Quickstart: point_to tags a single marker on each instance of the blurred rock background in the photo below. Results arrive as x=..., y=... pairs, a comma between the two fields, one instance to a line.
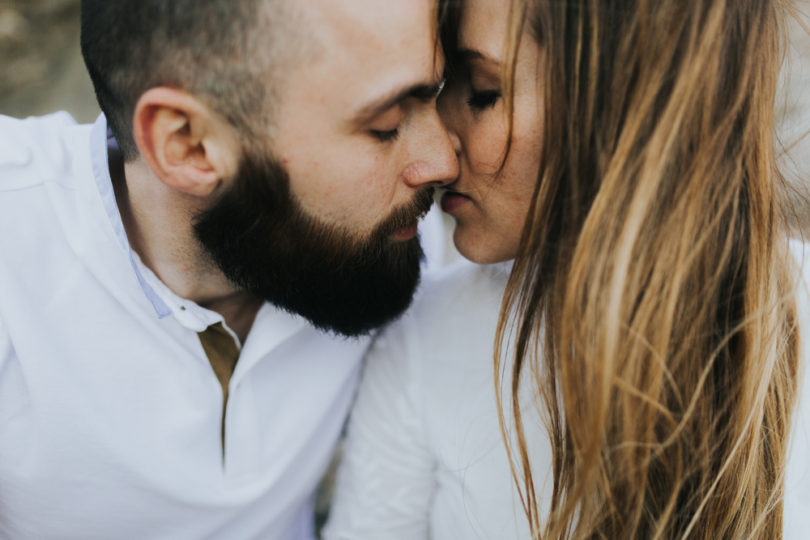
x=793, y=117
x=42, y=69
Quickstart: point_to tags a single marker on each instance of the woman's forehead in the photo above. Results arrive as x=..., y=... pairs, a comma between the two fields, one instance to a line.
x=483, y=27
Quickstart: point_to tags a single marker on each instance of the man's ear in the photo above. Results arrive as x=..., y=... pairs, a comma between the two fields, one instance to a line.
x=188, y=146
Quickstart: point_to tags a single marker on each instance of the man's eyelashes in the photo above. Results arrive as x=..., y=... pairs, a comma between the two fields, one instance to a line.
x=385, y=135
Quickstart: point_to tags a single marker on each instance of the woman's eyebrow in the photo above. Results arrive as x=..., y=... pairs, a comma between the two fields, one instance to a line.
x=467, y=54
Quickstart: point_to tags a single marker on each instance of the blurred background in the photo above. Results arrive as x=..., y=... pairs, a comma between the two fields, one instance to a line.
x=42, y=68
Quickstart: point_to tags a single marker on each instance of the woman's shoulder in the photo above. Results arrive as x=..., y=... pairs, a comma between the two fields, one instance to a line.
x=461, y=288
x=460, y=301
x=800, y=251
x=797, y=477
x=454, y=313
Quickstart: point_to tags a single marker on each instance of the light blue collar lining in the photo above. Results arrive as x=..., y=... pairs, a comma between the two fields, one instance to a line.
x=101, y=143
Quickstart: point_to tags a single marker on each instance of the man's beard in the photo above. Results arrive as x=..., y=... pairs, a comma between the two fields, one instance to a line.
x=267, y=244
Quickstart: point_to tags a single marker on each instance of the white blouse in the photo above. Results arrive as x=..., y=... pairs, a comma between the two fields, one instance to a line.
x=424, y=456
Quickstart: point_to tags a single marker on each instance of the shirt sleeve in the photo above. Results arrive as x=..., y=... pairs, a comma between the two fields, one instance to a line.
x=386, y=477
x=13, y=391
x=6, y=351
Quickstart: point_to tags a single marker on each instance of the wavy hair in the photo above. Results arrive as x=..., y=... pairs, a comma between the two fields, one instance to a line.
x=650, y=307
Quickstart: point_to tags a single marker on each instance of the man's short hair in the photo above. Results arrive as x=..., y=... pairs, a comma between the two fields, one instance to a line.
x=221, y=51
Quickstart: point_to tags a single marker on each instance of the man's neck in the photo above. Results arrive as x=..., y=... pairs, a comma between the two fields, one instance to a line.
x=158, y=224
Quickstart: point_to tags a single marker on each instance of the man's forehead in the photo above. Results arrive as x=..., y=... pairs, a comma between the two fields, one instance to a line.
x=372, y=25
x=373, y=48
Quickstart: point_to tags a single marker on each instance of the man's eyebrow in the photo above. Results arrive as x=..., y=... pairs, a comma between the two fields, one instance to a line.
x=423, y=92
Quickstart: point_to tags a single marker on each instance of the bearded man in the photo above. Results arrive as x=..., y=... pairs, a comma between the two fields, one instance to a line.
x=187, y=286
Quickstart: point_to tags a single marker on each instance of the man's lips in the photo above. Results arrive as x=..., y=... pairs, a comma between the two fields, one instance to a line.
x=403, y=223
x=407, y=232
x=452, y=200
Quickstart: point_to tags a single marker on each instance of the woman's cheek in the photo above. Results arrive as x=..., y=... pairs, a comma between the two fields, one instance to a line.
x=489, y=146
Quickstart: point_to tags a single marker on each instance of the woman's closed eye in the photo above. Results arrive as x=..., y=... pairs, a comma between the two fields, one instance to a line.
x=482, y=100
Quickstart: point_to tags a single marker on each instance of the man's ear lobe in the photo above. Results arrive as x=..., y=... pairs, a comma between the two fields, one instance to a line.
x=186, y=145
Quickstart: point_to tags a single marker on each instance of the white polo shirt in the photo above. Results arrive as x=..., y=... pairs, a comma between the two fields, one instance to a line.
x=109, y=409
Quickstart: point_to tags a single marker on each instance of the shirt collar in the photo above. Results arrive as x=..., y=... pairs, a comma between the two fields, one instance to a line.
x=163, y=300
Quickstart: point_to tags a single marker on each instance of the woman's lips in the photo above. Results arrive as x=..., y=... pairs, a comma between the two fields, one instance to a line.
x=452, y=200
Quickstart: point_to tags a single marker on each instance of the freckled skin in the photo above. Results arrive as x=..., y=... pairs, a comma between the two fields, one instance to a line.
x=489, y=226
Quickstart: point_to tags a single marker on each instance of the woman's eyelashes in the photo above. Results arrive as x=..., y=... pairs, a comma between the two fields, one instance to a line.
x=481, y=100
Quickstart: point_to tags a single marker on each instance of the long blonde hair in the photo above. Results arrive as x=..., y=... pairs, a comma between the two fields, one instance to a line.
x=650, y=305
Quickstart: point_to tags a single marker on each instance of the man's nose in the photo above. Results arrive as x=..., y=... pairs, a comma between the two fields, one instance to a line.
x=436, y=163
x=450, y=117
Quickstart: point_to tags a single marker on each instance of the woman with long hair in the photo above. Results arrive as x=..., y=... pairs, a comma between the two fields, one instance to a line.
x=617, y=164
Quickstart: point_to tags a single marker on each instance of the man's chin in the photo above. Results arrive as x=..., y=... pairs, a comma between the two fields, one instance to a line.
x=406, y=233
x=357, y=298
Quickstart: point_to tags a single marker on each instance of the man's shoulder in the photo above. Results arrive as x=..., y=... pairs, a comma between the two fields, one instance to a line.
x=45, y=172
x=38, y=149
